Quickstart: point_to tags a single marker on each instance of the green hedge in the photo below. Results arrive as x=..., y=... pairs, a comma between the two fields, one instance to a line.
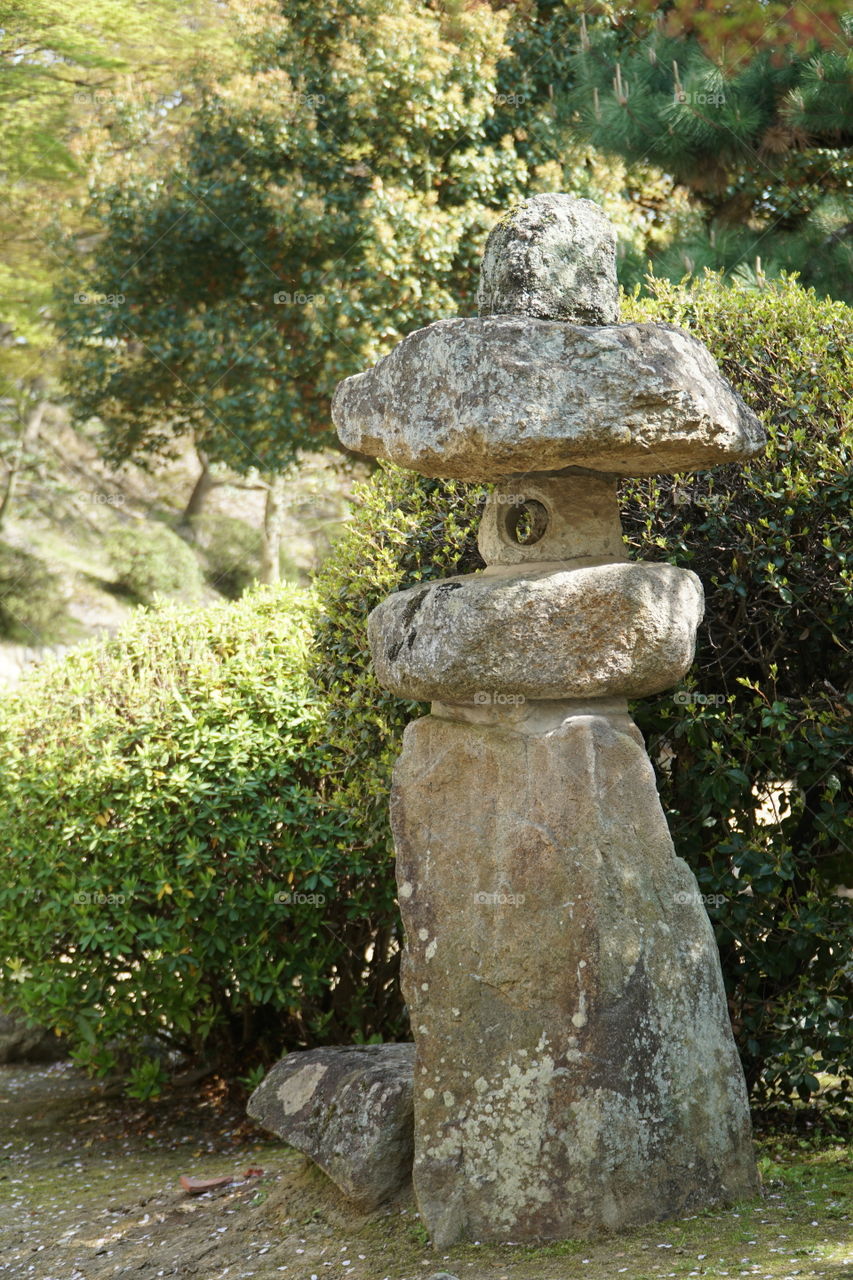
x=771, y=543
x=32, y=600
x=767, y=702
x=172, y=871
x=405, y=529
x=151, y=560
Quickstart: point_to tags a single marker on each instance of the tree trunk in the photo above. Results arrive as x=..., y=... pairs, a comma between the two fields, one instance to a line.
x=272, y=531
x=28, y=436
x=202, y=488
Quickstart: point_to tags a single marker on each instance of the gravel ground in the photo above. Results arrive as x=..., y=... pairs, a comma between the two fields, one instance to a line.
x=89, y=1190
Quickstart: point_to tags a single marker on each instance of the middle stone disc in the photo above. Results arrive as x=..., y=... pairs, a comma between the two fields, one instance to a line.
x=611, y=630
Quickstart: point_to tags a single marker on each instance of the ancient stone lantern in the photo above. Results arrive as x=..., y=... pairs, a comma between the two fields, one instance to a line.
x=575, y=1066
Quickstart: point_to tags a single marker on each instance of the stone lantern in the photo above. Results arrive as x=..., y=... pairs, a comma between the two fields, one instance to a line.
x=575, y=1065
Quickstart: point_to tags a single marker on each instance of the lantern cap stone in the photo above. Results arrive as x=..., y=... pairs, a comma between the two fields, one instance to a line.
x=552, y=257
x=477, y=400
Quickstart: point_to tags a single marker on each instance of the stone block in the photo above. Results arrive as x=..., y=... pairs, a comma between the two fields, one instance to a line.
x=572, y=518
x=553, y=257
x=349, y=1109
x=576, y=1069
x=610, y=630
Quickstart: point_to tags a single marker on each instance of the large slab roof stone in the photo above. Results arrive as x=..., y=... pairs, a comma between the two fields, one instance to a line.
x=475, y=399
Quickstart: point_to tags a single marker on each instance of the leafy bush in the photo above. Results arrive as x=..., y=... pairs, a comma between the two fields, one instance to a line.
x=757, y=784
x=231, y=549
x=31, y=598
x=151, y=560
x=171, y=867
x=771, y=543
x=405, y=529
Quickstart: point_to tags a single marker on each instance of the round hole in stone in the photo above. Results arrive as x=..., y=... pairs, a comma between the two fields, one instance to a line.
x=525, y=522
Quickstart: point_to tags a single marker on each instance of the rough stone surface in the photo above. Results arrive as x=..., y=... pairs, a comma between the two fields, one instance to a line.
x=576, y=1070
x=483, y=399
x=577, y=513
x=22, y=1042
x=542, y=632
x=349, y=1110
x=553, y=257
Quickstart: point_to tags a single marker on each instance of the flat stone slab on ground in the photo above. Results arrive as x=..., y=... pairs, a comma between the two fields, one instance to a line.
x=481, y=399
x=350, y=1110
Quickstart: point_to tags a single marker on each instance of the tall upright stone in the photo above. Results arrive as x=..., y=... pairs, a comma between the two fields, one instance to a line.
x=575, y=1065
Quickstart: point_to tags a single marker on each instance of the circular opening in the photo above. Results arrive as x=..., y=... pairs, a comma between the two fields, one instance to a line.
x=525, y=522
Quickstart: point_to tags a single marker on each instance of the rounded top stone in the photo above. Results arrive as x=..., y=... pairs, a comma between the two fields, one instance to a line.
x=553, y=257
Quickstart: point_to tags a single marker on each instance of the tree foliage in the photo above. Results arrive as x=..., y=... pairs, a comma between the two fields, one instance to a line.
x=328, y=199
x=726, y=31
x=79, y=87
x=331, y=197
x=70, y=86
x=762, y=142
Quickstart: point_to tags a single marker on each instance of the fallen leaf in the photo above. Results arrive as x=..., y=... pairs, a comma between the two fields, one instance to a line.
x=195, y=1186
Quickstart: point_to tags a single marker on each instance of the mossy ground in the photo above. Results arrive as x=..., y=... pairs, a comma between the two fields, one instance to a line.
x=89, y=1190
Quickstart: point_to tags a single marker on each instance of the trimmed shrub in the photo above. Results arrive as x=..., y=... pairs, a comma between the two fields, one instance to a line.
x=151, y=560
x=175, y=802
x=754, y=764
x=171, y=868
x=32, y=602
x=765, y=717
x=404, y=529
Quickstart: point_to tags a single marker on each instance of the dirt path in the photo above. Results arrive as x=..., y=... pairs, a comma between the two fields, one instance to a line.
x=89, y=1190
